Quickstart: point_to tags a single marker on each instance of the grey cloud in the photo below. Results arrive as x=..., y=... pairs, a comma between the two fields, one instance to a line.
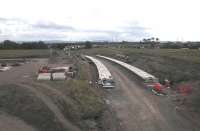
x=133, y=32
x=99, y=37
x=22, y=30
x=102, y=31
x=130, y=32
x=130, y=29
x=3, y=19
x=5, y=36
x=41, y=36
x=133, y=28
x=49, y=30
x=52, y=26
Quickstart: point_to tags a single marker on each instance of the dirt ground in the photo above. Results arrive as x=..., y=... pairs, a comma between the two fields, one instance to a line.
x=140, y=110
x=130, y=107
x=47, y=105
x=10, y=123
x=25, y=76
x=22, y=73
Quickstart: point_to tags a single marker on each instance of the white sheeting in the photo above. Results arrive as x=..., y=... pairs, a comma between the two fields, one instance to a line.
x=103, y=72
x=66, y=68
x=59, y=76
x=44, y=76
x=144, y=75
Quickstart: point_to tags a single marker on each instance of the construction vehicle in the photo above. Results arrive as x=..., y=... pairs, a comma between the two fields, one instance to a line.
x=106, y=83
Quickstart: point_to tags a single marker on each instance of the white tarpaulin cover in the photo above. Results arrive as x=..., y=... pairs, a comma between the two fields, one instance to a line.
x=103, y=72
x=59, y=76
x=66, y=68
x=144, y=75
x=44, y=76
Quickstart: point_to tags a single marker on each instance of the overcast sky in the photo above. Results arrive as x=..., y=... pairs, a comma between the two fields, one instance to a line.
x=116, y=20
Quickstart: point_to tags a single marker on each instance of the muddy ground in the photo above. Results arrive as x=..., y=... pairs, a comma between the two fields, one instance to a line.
x=140, y=110
x=21, y=96
x=72, y=105
x=181, y=67
x=53, y=105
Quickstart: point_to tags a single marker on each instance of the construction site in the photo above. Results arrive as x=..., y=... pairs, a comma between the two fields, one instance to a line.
x=99, y=65
x=86, y=91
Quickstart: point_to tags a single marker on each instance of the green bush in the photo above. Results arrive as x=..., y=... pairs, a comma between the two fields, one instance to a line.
x=90, y=104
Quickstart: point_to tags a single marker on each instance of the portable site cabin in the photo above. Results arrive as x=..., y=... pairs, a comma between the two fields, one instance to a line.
x=105, y=77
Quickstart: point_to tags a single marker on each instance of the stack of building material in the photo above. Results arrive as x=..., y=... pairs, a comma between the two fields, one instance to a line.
x=142, y=74
x=105, y=77
x=44, y=69
x=44, y=76
x=66, y=68
x=59, y=76
x=60, y=69
x=56, y=73
x=103, y=71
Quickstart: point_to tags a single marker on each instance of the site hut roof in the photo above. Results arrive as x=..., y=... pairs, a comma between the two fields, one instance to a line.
x=103, y=71
x=142, y=74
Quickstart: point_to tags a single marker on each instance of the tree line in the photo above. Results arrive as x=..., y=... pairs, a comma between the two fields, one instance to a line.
x=146, y=43
x=7, y=44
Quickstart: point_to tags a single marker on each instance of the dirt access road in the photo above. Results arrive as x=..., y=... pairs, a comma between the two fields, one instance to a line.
x=140, y=110
x=24, y=76
x=10, y=123
x=14, y=76
x=22, y=73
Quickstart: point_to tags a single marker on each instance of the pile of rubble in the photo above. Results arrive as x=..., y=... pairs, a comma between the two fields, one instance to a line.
x=7, y=64
x=4, y=67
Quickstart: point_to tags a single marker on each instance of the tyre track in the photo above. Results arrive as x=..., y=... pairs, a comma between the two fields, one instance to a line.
x=146, y=112
x=53, y=107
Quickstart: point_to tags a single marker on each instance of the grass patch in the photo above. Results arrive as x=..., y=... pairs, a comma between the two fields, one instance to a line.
x=87, y=99
x=83, y=104
x=90, y=103
x=177, y=65
x=20, y=102
x=35, y=53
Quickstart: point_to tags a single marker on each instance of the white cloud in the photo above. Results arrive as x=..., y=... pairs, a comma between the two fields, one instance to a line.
x=99, y=19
